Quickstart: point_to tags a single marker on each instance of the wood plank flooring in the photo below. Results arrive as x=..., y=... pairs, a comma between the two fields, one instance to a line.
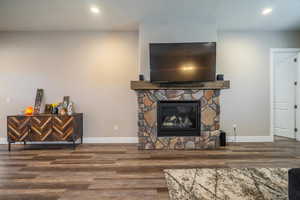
x=120, y=171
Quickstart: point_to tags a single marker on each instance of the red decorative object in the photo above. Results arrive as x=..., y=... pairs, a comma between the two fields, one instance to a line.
x=28, y=110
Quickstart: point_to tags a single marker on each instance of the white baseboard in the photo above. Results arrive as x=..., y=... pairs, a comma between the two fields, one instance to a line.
x=3, y=140
x=108, y=140
x=90, y=140
x=250, y=139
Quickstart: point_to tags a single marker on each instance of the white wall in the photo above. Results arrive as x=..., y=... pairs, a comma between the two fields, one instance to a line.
x=244, y=58
x=93, y=68
x=171, y=32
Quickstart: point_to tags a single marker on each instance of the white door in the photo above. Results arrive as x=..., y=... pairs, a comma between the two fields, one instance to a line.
x=298, y=100
x=285, y=76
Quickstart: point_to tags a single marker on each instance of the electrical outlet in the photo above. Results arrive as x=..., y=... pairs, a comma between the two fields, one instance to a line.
x=8, y=99
x=116, y=127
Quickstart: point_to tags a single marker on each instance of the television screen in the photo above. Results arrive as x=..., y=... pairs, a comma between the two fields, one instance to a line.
x=182, y=62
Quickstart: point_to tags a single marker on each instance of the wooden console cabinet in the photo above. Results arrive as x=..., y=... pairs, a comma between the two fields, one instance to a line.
x=44, y=128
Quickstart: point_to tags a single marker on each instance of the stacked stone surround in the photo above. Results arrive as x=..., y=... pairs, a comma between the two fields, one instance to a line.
x=147, y=119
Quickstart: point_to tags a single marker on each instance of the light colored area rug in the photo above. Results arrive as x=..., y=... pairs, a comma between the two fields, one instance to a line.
x=228, y=184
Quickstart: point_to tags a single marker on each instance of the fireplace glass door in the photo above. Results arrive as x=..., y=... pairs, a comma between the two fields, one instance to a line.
x=178, y=118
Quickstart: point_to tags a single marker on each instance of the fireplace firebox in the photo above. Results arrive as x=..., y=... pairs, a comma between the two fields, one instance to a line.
x=178, y=118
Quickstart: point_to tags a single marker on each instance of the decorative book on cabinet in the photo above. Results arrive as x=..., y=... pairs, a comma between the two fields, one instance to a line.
x=44, y=128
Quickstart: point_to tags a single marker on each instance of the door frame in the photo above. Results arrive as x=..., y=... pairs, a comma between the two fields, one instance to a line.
x=272, y=52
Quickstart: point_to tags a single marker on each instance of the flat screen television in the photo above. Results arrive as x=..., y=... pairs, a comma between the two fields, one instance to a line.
x=182, y=62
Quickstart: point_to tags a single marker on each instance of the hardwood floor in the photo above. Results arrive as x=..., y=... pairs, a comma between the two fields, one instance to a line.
x=120, y=171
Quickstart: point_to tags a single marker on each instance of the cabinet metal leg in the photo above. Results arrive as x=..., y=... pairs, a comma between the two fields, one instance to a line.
x=9, y=146
x=24, y=142
x=81, y=140
x=74, y=145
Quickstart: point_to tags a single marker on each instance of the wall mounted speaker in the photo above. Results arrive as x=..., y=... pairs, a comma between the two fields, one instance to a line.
x=141, y=77
x=220, y=77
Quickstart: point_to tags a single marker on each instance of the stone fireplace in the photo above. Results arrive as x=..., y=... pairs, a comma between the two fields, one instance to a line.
x=178, y=118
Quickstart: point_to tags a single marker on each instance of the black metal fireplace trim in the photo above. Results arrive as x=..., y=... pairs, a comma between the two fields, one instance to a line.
x=165, y=132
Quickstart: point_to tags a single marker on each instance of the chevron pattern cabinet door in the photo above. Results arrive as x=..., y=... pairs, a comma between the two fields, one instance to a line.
x=18, y=128
x=41, y=128
x=63, y=127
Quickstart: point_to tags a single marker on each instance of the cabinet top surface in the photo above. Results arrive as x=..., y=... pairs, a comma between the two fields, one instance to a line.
x=44, y=115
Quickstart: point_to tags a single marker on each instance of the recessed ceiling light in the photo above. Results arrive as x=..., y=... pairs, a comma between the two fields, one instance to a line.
x=94, y=9
x=267, y=11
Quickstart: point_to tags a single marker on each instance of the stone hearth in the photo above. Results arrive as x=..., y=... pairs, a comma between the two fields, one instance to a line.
x=147, y=119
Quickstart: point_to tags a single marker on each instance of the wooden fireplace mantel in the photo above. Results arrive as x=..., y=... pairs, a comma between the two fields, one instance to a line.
x=212, y=85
